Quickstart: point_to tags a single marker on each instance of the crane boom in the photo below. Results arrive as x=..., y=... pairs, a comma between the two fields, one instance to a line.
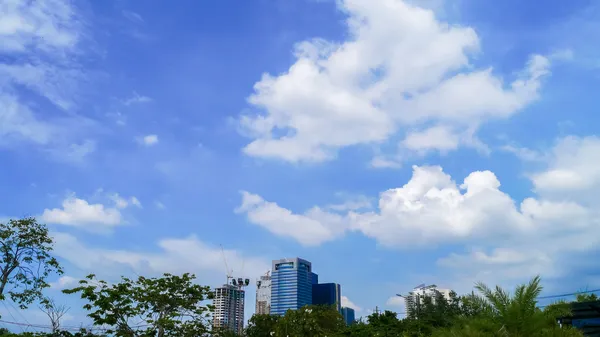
x=228, y=272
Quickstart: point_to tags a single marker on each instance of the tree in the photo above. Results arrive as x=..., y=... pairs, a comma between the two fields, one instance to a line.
x=586, y=297
x=358, y=329
x=55, y=313
x=310, y=321
x=25, y=260
x=498, y=313
x=163, y=307
x=385, y=324
x=261, y=325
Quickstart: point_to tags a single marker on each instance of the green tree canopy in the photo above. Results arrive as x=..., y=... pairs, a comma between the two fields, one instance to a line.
x=25, y=260
x=169, y=306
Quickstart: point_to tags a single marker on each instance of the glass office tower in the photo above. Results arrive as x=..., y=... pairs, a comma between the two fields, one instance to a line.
x=315, y=278
x=291, y=285
x=327, y=294
x=348, y=314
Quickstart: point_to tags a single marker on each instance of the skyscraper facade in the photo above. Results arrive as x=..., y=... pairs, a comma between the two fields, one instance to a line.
x=263, y=295
x=327, y=294
x=314, y=278
x=229, y=308
x=291, y=285
x=348, y=314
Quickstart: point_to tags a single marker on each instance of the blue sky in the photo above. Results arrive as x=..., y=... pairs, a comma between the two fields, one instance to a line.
x=389, y=142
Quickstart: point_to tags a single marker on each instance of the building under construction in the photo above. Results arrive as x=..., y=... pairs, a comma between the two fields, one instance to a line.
x=229, y=306
x=263, y=295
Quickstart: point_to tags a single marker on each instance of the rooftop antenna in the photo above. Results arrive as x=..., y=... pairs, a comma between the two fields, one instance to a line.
x=228, y=272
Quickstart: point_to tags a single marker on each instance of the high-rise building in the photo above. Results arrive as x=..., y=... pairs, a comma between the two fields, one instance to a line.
x=314, y=278
x=415, y=298
x=291, y=285
x=263, y=295
x=229, y=308
x=327, y=294
x=348, y=314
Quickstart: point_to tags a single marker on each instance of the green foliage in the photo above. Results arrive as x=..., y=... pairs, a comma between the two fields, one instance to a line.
x=25, y=260
x=170, y=306
x=491, y=313
x=498, y=313
x=309, y=321
x=82, y=333
x=586, y=297
x=261, y=325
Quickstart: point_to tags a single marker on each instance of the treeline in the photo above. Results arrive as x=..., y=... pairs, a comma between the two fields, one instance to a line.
x=488, y=313
x=176, y=306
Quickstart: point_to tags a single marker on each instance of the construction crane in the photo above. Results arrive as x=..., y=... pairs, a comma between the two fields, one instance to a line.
x=239, y=282
x=228, y=272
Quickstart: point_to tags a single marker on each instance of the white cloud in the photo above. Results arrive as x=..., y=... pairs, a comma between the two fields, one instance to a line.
x=18, y=122
x=64, y=282
x=40, y=47
x=430, y=209
x=134, y=201
x=573, y=167
x=43, y=25
x=159, y=205
x=133, y=16
x=52, y=81
x=352, y=203
x=386, y=163
x=148, y=140
x=401, y=67
x=174, y=255
x=523, y=153
x=121, y=202
x=437, y=137
x=137, y=99
x=501, y=236
x=78, y=212
x=396, y=301
x=311, y=228
x=349, y=304
x=75, y=152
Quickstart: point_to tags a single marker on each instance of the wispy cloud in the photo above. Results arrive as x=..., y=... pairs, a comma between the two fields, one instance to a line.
x=132, y=16
x=137, y=99
x=40, y=51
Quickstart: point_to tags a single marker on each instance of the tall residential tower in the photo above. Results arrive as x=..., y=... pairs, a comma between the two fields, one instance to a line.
x=229, y=306
x=291, y=285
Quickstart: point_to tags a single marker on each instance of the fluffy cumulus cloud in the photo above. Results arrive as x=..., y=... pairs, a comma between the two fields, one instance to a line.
x=79, y=212
x=523, y=238
x=313, y=227
x=401, y=70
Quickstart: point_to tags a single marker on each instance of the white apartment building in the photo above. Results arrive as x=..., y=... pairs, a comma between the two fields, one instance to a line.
x=415, y=297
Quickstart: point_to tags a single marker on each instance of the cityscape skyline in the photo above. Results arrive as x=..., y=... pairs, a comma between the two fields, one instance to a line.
x=388, y=142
